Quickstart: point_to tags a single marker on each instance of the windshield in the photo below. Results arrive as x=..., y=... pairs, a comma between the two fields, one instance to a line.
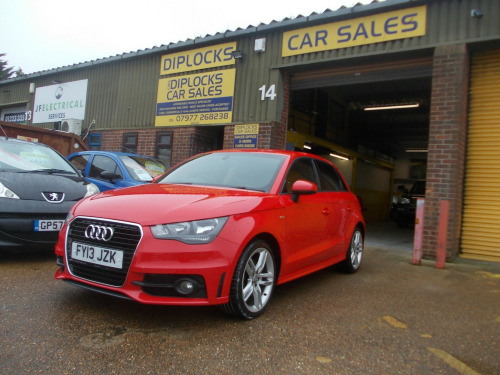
x=30, y=156
x=252, y=171
x=143, y=169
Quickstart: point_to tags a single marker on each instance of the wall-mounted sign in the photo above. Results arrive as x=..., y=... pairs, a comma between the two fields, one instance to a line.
x=18, y=115
x=399, y=24
x=204, y=98
x=245, y=136
x=202, y=58
x=59, y=102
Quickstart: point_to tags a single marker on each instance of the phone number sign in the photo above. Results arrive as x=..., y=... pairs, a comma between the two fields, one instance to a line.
x=204, y=98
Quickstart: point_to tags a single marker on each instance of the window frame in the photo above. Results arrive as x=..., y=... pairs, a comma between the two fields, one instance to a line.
x=130, y=147
x=164, y=146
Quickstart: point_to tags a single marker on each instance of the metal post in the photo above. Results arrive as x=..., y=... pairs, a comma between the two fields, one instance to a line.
x=444, y=208
x=419, y=229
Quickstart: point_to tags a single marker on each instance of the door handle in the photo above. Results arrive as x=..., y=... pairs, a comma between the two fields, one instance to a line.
x=326, y=211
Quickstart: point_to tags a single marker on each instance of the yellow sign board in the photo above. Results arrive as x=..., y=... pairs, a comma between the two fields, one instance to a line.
x=203, y=98
x=399, y=24
x=198, y=59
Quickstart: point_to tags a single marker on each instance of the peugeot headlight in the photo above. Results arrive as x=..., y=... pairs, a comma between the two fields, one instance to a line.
x=7, y=193
x=190, y=232
x=91, y=190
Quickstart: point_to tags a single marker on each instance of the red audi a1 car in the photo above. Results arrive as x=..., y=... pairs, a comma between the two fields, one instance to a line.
x=222, y=228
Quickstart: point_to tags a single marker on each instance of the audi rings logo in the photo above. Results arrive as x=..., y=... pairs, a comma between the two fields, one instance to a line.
x=99, y=232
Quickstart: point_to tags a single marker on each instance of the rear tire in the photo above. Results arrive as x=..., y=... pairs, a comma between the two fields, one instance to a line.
x=253, y=281
x=354, y=253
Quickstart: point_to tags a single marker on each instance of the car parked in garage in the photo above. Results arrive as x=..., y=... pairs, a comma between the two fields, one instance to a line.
x=111, y=169
x=404, y=210
x=38, y=186
x=222, y=228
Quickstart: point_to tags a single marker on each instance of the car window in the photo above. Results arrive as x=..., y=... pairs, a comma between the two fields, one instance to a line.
x=329, y=179
x=142, y=169
x=79, y=161
x=103, y=163
x=252, y=171
x=31, y=156
x=301, y=169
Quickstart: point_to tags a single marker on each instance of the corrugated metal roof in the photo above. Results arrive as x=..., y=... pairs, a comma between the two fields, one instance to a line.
x=299, y=21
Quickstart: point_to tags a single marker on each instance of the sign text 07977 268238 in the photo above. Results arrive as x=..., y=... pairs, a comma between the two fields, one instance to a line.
x=203, y=98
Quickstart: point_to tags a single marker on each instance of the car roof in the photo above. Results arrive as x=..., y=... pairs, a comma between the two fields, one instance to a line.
x=108, y=153
x=288, y=153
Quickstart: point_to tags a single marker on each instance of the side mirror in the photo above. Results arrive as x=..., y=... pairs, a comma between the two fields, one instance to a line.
x=109, y=176
x=303, y=187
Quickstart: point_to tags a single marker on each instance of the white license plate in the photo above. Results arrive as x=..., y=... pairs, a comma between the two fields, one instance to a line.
x=97, y=255
x=48, y=225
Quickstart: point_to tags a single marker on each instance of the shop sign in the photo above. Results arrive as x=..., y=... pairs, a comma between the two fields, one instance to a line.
x=245, y=136
x=17, y=115
x=196, y=99
x=202, y=58
x=399, y=24
x=59, y=102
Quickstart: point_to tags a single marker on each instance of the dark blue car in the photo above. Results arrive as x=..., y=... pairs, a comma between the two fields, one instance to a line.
x=111, y=170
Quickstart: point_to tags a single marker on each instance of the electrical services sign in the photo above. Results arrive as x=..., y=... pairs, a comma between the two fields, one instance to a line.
x=399, y=24
x=60, y=102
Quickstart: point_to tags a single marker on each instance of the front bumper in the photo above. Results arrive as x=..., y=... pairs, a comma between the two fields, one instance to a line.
x=154, y=271
x=17, y=223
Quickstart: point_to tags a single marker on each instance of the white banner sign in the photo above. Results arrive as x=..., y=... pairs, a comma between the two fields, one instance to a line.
x=60, y=102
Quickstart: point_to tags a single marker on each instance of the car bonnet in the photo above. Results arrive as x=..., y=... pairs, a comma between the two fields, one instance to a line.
x=160, y=203
x=34, y=186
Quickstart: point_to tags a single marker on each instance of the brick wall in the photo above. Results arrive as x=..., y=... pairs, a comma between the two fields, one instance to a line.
x=447, y=146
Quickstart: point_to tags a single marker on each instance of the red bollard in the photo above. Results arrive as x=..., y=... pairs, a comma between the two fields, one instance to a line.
x=419, y=229
x=444, y=207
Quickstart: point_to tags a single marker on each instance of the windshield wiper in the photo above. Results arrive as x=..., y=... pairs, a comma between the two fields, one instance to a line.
x=50, y=171
x=245, y=188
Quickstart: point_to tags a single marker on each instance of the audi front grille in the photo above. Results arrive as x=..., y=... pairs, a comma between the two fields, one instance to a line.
x=125, y=238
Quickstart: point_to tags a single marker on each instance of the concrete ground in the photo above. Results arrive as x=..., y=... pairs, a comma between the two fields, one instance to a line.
x=387, y=234
x=391, y=317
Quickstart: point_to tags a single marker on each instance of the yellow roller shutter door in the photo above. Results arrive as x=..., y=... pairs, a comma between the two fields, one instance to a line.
x=481, y=219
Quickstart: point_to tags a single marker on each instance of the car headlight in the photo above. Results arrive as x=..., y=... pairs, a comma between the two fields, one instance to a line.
x=404, y=200
x=69, y=216
x=91, y=190
x=7, y=193
x=190, y=232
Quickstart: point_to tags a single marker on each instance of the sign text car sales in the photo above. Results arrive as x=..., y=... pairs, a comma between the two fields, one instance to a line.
x=196, y=98
x=377, y=28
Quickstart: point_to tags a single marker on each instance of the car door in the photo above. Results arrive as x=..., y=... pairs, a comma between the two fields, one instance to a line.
x=101, y=163
x=306, y=234
x=341, y=206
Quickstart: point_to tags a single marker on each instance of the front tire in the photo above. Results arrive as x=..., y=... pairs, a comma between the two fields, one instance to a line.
x=354, y=252
x=253, y=281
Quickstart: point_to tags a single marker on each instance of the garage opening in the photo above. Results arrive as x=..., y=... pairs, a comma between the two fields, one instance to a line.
x=372, y=121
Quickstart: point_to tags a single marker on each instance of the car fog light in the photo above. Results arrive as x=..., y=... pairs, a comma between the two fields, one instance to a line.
x=185, y=286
